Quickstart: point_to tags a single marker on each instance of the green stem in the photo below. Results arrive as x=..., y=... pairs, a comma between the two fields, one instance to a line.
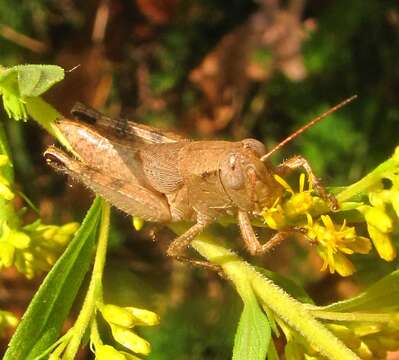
x=370, y=179
x=94, y=292
x=341, y=316
x=283, y=305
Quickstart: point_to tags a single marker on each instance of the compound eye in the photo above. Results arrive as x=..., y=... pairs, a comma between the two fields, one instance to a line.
x=256, y=146
x=231, y=173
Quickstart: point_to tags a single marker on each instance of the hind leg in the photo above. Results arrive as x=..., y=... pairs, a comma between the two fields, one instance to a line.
x=128, y=196
x=178, y=246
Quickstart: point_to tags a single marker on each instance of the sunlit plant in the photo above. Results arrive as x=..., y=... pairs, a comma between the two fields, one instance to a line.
x=363, y=327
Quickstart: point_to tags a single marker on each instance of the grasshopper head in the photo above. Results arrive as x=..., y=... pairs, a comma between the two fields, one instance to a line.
x=247, y=180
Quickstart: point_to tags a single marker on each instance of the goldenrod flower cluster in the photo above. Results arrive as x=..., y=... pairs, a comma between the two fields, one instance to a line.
x=333, y=241
x=33, y=248
x=122, y=320
x=337, y=240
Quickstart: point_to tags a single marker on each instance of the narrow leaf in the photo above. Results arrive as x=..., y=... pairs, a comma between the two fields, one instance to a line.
x=253, y=333
x=43, y=320
x=381, y=296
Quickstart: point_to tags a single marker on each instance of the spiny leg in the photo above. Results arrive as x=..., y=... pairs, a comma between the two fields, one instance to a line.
x=177, y=248
x=129, y=196
x=251, y=241
x=298, y=161
x=248, y=234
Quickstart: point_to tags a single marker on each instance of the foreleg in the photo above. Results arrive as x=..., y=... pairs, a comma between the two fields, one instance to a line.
x=251, y=241
x=298, y=161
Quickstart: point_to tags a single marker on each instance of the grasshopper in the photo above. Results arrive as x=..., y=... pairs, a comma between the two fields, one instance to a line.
x=162, y=177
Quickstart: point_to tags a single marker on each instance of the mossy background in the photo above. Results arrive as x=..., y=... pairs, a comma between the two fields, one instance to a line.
x=208, y=69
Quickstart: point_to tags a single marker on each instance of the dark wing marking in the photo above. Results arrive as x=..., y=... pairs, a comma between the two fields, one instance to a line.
x=124, y=127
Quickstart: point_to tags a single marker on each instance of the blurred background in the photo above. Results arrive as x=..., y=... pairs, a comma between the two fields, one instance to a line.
x=207, y=69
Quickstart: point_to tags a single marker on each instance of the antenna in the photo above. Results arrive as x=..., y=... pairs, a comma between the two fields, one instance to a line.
x=308, y=125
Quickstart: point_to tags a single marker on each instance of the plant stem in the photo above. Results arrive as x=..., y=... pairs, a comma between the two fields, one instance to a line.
x=351, y=316
x=283, y=305
x=94, y=292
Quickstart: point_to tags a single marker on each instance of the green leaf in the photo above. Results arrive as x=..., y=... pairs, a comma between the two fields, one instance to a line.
x=22, y=81
x=383, y=296
x=253, y=333
x=43, y=320
x=32, y=80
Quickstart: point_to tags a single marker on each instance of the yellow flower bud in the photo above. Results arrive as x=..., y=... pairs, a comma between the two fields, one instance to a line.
x=49, y=233
x=378, y=218
x=107, y=352
x=7, y=254
x=5, y=192
x=379, y=198
x=118, y=315
x=382, y=243
x=346, y=335
x=143, y=316
x=69, y=228
x=19, y=239
x=61, y=239
x=130, y=340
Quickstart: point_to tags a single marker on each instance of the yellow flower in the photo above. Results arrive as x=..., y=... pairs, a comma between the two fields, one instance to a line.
x=336, y=242
x=122, y=320
x=34, y=248
x=379, y=225
x=130, y=340
x=274, y=216
x=128, y=316
x=299, y=203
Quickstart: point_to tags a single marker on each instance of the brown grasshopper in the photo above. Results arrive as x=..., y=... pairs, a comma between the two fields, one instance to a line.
x=162, y=177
